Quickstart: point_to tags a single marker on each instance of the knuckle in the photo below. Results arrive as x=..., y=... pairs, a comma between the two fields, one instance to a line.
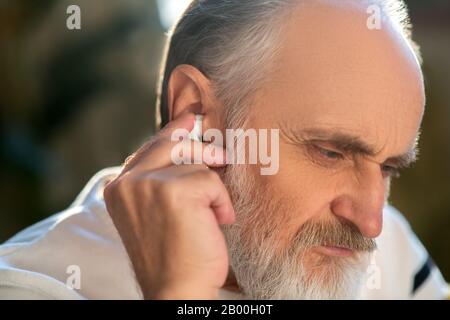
x=169, y=193
x=116, y=188
x=166, y=188
x=110, y=190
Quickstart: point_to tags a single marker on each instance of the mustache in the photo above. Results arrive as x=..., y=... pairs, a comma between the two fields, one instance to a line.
x=333, y=233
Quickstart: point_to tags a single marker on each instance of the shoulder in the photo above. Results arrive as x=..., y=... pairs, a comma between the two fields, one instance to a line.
x=19, y=284
x=79, y=242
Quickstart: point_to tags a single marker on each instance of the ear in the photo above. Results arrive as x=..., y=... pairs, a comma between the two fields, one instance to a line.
x=189, y=91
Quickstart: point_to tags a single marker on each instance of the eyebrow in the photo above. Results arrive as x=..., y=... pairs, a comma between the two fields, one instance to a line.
x=352, y=144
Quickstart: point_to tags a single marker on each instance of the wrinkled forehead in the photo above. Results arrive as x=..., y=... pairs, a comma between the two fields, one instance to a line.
x=332, y=69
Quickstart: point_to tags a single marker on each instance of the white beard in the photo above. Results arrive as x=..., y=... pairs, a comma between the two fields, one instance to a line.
x=262, y=271
x=261, y=277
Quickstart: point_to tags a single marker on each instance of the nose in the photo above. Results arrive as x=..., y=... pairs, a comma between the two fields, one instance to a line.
x=361, y=202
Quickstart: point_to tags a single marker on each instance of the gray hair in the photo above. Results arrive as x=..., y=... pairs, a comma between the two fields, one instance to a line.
x=227, y=40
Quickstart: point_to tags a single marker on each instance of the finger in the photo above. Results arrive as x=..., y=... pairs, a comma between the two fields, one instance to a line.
x=184, y=123
x=194, y=152
x=204, y=185
x=166, y=153
x=215, y=194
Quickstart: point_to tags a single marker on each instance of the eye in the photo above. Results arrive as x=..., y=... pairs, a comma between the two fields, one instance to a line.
x=390, y=171
x=330, y=154
x=325, y=156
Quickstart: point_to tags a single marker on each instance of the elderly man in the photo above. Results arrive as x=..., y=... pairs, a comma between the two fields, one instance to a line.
x=341, y=81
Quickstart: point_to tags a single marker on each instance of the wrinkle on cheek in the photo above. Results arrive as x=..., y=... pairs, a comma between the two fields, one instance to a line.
x=287, y=211
x=345, y=182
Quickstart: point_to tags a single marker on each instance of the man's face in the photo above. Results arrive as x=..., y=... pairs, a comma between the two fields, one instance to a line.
x=348, y=102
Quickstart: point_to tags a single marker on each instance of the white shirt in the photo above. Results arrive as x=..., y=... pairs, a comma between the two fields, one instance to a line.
x=78, y=254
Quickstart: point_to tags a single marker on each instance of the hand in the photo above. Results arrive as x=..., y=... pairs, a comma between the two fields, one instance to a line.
x=168, y=217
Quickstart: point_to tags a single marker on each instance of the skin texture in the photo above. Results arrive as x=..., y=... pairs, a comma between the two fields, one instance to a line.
x=334, y=78
x=352, y=80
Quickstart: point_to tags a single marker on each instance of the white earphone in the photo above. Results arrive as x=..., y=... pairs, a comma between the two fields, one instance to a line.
x=196, y=133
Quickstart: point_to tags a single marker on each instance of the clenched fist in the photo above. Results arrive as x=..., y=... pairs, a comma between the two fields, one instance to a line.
x=168, y=217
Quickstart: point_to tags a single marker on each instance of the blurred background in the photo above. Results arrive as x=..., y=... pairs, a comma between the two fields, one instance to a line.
x=75, y=101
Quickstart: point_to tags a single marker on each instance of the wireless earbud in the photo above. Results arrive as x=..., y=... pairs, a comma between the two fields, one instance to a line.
x=196, y=133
